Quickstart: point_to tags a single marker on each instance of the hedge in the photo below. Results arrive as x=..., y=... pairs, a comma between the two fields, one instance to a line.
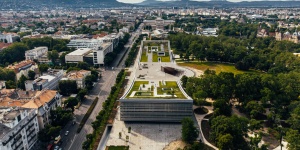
x=87, y=115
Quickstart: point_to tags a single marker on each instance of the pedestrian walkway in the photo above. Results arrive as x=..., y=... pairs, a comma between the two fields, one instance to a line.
x=199, y=119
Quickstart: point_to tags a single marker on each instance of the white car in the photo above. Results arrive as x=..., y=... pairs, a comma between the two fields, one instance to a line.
x=67, y=132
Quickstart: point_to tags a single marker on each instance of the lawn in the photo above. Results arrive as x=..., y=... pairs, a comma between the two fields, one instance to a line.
x=136, y=86
x=154, y=57
x=165, y=58
x=117, y=148
x=218, y=67
x=144, y=57
x=168, y=86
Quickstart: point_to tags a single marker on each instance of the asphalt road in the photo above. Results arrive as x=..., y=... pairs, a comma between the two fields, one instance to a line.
x=73, y=141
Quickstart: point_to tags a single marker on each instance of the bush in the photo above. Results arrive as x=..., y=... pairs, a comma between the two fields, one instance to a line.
x=87, y=115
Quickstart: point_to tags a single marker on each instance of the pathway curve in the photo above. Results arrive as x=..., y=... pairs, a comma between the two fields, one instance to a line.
x=199, y=119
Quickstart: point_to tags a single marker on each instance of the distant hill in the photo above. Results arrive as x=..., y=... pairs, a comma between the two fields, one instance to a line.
x=35, y=4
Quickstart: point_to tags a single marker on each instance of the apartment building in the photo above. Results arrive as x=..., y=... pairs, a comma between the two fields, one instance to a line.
x=36, y=53
x=23, y=114
x=78, y=76
x=18, y=128
x=23, y=67
x=48, y=81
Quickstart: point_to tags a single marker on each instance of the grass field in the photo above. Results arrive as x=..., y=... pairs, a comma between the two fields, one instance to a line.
x=154, y=57
x=218, y=67
x=165, y=58
x=117, y=148
x=136, y=86
x=169, y=85
x=144, y=57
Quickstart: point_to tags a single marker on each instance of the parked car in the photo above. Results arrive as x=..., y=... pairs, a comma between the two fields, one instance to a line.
x=67, y=132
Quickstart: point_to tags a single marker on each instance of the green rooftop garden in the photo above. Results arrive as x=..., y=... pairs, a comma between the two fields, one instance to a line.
x=168, y=91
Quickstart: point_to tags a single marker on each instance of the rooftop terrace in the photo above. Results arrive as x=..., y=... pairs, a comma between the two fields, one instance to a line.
x=155, y=90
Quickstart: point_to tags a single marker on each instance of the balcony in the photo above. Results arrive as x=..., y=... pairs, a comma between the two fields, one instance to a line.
x=29, y=127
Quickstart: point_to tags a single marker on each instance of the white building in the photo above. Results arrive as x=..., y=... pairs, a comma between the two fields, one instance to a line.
x=158, y=23
x=18, y=128
x=77, y=55
x=84, y=43
x=50, y=29
x=99, y=54
x=79, y=77
x=36, y=53
x=47, y=81
x=8, y=38
x=23, y=29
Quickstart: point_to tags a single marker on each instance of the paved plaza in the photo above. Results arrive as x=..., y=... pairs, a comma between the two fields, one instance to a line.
x=144, y=136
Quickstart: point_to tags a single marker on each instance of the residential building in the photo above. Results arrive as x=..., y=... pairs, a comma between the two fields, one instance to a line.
x=7, y=37
x=23, y=67
x=36, y=53
x=49, y=80
x=79, y=77
x=41, y=101
x=77, y=55
x=18, y=128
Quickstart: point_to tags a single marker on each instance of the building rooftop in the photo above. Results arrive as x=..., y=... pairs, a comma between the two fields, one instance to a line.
x=73, y=75
x=156, y=90
x=26, y=99
x=18, y=66
x=40, y=99
x=81, y=51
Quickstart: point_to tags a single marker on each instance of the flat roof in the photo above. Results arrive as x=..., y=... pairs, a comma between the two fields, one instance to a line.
x=80, y=51
x=169, y=90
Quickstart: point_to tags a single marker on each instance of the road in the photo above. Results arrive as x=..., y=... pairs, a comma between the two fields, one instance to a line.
x=73, y=141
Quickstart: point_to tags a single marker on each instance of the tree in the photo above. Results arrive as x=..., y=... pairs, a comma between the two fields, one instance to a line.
x=221, y=108
x=53, y=56
x=184, y=80
x=83, y=65
x=60, y=117
x=31, y=75
x=71, y=102
x=43, y=68
x=49, y=133
x=225, y=142
x=189, y=132
x=254, y=109
x=294, y=120
x=21, y=82
x=235, y=126
x=293, y=139
x=67, y=87
x=81, y=94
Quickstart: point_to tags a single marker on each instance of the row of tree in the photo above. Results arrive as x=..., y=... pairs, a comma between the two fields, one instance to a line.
x=101, y=119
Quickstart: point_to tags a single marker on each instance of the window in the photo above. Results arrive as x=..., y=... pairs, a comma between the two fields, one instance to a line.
x=19, y=118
